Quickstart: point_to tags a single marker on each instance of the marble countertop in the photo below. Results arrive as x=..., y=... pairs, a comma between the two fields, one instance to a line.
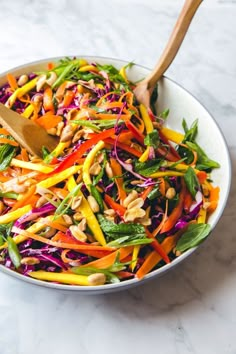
x=192, y=308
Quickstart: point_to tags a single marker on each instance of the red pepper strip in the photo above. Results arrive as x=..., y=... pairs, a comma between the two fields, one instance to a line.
x=157, y=247
x=167, y=154
x=151, y=115
x=124, y=147
x=119, y=209
x=165, y=141
x=77, y=154
x=136, y=133
x=176, y=212
x=124, y=275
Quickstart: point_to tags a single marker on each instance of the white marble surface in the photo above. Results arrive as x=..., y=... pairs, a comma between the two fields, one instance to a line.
x=192, y=309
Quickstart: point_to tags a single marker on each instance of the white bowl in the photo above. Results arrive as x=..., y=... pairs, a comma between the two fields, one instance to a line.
x=181, y=104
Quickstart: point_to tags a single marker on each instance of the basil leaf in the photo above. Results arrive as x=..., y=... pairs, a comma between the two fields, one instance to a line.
x=96, y=194
x=203, y=161
x=191, y=181
x=193, y=236
x=114, y=231
x=13, y=251
x=6, y=154
x=152, y=139
x=148, y=167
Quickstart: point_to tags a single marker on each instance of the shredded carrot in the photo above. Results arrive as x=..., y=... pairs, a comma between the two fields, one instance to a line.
x=146, y=192
x=49, y=121
x=47, y=99
x=202, y=176
x=12, y=81
x=214, y=198
x=117, y=171
x=51, y=66
x=68, y=98
x=8, y=141
x=24, y=200
x=162, y=186
x=3, y=131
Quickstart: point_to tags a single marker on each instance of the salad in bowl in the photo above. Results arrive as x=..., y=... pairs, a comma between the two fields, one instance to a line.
x=124, y=195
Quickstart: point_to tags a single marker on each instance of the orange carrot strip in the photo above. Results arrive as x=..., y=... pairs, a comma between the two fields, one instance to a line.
x=54, y=224
x=162, y=186
x=117, y=171
x=51, y=66
x=159, y=227
x=8, y=141
x=81, y=248
x=12, y=81
x=195, y=157
x=154, y=258
x=214, y=198
x=4, y=131
x=68, y=98
x=24, y=200
x=188, y=201
x=176, y=212
x=145, y=193
x=202, y=176
x=109, y=260
x=49, y=121
x=47, y=99
x=124, y=147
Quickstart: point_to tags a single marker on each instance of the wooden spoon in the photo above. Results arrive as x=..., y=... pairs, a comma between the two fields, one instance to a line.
x=27, y=133
x=144, y=89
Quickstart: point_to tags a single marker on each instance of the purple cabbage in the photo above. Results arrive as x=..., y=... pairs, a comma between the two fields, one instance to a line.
x=34, y=214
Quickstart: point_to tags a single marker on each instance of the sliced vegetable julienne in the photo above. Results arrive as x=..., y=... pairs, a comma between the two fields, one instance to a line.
x=14, y=215
x=107, y=128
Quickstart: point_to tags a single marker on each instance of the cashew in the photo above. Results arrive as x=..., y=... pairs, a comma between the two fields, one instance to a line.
x=22, y=80
x=30, y=260
x=95, y=169
x=77, y=233
x=206, y=205
x=52, y=78
x=110, y=212
x=50, y=232
x=67, y=219
x=52, y=131
x=29, y=182
x=170, y=193
x=19, y=188
x=40, y=82
x=97, y=279
x=82, y=224
x=76, y=202
x=108, y=170
x=67, y=133
x=93, y=204
x=132, y=196
x=60, y=126
x=42, y=200
x=78, y=216
x=137, y=203
x=134, y=213
x=77, y=135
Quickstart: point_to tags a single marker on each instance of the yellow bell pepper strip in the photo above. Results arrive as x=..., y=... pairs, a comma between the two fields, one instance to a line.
x=28, y=111
x=31, y=166
x=16, y=214
x=61, y=176
x=88, y=68
x=172, y=135
x=146, y=118
x=65, y=278
x=122, y=72
x=135, y=257
x=202, y=216
x=21, y=91
x=166, y=173
x=88, y=214
x=89, y=161
x=145, y=155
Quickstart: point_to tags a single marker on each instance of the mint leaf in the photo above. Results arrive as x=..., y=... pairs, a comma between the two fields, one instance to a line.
x=152, y=139
x=191, y=181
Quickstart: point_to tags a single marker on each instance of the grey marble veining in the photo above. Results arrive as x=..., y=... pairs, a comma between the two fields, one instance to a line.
x=192, y=309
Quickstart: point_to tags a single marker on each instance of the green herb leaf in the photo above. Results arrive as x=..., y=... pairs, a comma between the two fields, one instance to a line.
x=164, y=114
x=190, y=134
x=191, y=181
x=13, y=251
x=193, y=236
x=112, y=278
x=148, y=167
x=155, y=193
x=203, y=161
x=7, y=152
x=152, y=139
x=125, y=241
x=114, y=231
x=96, y=194
x=45, y=152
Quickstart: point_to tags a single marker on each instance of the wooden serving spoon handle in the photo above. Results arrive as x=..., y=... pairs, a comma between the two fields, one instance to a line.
x=27, y=133
x=170, y=51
